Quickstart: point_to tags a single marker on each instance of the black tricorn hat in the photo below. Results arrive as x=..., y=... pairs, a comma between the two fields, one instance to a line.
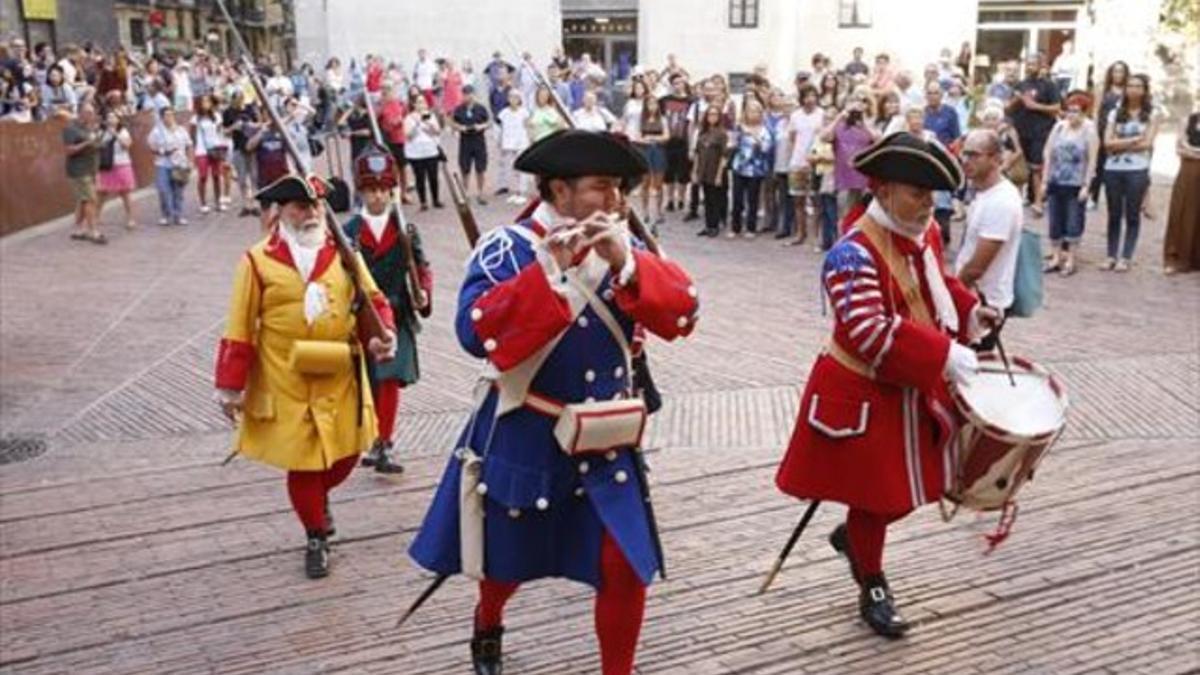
x=294, y=188
x=572, y=153
x=901, y=157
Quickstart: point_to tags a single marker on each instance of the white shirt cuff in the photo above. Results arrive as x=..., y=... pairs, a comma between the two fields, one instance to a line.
x=627, y=270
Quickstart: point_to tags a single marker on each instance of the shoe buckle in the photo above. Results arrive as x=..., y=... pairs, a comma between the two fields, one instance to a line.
x=877, y=593
x=489, y=648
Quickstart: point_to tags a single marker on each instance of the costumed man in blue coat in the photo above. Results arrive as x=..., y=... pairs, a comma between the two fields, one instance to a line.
x=546, y=480
x=387, y=250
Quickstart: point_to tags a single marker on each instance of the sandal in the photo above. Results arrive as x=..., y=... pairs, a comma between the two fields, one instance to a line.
x=79, y=235
x=98, y=238
x=1067, y=269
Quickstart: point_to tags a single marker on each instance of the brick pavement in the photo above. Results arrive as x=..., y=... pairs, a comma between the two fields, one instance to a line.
x=126, y=549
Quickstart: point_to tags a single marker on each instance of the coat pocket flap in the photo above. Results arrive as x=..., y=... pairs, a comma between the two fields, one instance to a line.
x=515, y=486
x=837, y=417
x=260, y=405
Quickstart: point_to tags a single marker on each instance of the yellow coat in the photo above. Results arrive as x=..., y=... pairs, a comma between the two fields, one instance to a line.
x=292, y=420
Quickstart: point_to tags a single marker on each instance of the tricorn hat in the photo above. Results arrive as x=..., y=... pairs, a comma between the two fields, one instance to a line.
x=901, y=157
x=294, y=188
x=572, y=153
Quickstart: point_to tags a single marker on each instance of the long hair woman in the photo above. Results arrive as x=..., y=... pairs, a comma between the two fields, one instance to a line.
x=1128, y=138
x=1114, y=88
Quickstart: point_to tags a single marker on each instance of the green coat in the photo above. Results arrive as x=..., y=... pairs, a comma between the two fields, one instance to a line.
x=385, y=259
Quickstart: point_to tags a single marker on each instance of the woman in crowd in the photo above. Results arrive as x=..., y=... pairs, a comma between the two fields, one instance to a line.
x=591, y=117
x=1070, y=161
x=421, y=133
x=171, y=145
x=850, y=134
x=1115, y=79
x=211, y=151
x=1181, y=246
x=452, y=84
x=57, y=95
x=752, y=161
x=889, y=118
x=543, y=117
x=118, y=179
x=631, y=114
x=1012, y=162
x=1128, y=138
x=654, y=135
x=828, y=94
x=514, y=138
x=781, y=214
x=957, y=98
x=708, y=170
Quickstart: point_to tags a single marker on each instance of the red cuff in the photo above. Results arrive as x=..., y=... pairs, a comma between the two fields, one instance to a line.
x=917, y=356
x=661, y=297
x=425, y=278
x=516, y=318
x=234, y=360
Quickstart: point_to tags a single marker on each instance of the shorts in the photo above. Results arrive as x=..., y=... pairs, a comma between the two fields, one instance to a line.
x=800, y=182
x=656, y=157
x=678, y=169
x=242, y=164
x=397, y=150
x=84, y=188
x=472, y=152
x=1033, y=146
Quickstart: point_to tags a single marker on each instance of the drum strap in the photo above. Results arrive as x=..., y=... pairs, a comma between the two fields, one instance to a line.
x=899, y=267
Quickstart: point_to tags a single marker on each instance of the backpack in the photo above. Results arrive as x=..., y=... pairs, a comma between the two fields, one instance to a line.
x=108, y=153
x=1027, y=280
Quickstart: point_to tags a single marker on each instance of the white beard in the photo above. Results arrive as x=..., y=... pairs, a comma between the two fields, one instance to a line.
x=913, y=230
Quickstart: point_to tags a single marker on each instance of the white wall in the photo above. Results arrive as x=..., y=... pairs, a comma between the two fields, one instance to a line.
x=452, y=28
x=698, y=32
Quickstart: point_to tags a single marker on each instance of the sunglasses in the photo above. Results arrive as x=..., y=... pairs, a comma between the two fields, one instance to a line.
x=972, y=154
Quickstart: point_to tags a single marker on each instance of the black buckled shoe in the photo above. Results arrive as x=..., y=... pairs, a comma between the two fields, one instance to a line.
x=373, y=454
x=316, y=556
x=487, y=656
x=840, y=541
x=878, y=609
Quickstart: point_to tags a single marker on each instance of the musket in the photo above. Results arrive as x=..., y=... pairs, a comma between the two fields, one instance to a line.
x=366, y=314
x=423, y=307
x=458, y=195
x=636, y=226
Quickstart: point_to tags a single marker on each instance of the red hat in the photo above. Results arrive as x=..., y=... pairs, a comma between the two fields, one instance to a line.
x=375, y=168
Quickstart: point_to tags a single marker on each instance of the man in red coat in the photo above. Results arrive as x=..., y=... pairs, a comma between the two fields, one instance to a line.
x=876, y=429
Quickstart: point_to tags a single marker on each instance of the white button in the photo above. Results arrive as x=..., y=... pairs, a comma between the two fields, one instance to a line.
x=682, y=322
x=579, y=491
x=608, y=294
x=692, y=291
x=583, y=467
x=620, y=476
x=590, y=376
x=618, y=372
x=489, y=345
x=611, y=455
x=481, y=488
x=514, y=513
x=590, y=399
x=476, y=314
x=542, y=503
x=583, y=322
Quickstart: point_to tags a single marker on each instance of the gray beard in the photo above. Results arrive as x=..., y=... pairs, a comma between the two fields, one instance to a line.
x=305, y=237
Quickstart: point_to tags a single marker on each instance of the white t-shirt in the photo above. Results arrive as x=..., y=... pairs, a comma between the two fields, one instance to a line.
x=805, y=125
x=598, y=119
x=208, y=135
x=121, y=149
x=421, y=136
x=424, y=73
x=995, y=214
x=631, y=119
x=513, y=134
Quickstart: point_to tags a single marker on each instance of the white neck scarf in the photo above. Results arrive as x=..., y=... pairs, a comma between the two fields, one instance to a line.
x=376, y=223
x=947, y=315
x=305, y=256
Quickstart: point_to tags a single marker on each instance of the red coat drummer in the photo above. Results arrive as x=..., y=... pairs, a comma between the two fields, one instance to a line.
x=876, y=424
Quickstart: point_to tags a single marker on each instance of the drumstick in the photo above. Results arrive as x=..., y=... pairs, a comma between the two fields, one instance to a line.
x=1003, y=356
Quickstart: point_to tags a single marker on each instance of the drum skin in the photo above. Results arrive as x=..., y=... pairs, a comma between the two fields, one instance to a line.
x=994, y=463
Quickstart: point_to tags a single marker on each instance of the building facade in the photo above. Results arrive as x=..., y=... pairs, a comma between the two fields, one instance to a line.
x=60, y=22
x=186, y=25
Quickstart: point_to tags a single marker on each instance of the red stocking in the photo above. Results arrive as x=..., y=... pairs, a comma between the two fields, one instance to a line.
x=387, y=401
x=867, y=532
x=492, y=597
x=306, y=489
x=619, y=608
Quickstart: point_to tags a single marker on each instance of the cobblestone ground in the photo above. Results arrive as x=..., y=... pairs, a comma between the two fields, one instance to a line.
x=127, y=548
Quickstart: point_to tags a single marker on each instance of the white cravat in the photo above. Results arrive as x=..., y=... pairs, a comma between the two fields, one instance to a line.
x=377, y=224
x=943, y=303
x=305, y=257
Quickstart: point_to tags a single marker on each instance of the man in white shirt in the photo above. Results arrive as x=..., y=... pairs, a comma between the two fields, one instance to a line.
x=803, y=126
x=988, y=258
x=425, y=75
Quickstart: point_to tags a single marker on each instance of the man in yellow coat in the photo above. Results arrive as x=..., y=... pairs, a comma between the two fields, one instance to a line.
x=289, y=369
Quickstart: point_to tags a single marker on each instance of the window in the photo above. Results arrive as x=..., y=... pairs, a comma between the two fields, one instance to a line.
x=854, y=13
x=137, y=32
x=743, y=13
